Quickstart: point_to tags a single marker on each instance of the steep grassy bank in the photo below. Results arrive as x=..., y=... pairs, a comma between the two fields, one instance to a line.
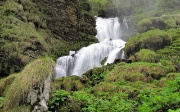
x=15, y=89
x=30, y=29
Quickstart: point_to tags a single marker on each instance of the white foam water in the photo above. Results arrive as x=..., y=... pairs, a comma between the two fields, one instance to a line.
x=110, y=45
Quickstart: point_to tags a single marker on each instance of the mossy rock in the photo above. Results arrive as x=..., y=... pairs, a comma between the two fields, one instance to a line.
x=144, y=55
x=31, y=76
x=153, y=40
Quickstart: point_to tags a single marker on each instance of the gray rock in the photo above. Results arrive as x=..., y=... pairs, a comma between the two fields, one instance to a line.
x=38, y=96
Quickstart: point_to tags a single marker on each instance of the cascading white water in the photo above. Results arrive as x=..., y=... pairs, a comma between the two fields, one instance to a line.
x=125, y=22
x=110, y=45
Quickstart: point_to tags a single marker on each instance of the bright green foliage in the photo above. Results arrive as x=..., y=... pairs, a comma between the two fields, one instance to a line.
x=58, y=99
x=124, y=88
x=168, y=98
x=178, y=110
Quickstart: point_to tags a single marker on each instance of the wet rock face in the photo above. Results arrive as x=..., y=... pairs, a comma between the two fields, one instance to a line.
x=38, y=97
x=69, y=20
x=108, y=13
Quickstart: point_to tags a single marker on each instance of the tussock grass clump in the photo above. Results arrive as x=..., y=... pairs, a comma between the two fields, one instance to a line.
x=23, y=108
x=139, y=71
x=144, y=55
x=169, y=77
x=102, y=87
x=71, y=83
x=32, y=75
x=6, y=82
x=172, y=52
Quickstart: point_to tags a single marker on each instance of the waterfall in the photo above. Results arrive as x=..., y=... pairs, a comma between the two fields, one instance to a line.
x=125, y=22
x=110, y=45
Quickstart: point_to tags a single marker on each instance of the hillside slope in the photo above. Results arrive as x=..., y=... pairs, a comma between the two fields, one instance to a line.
x=34, y=28
x=30, y=29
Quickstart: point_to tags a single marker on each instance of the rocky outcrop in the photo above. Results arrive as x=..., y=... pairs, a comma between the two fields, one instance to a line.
x=38, y=97
x=69, y=20
x=31, y=87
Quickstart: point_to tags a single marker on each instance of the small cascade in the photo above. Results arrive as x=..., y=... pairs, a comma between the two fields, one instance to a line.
x=110, y=45
x=125, y=22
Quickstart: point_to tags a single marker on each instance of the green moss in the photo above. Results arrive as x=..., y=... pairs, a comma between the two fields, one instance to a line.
x=151, y=23
x=153, y=40
x=172, y=52
x=144, y=55
x=32, y=75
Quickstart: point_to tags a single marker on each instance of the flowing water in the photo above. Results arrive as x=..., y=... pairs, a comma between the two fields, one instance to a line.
x=110, y=45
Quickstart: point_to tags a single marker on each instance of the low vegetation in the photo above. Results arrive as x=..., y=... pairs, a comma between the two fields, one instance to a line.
x=151, y=83
x=125, y=87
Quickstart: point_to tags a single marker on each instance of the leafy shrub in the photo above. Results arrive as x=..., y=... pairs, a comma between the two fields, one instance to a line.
x=58, y=100
x=168, y=5
x=168, y=98
x=150, y=24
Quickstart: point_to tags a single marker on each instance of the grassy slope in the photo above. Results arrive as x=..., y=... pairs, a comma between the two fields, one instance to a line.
x=25, y=36
x=22, y=35
x=150, y=84
x=143, y=86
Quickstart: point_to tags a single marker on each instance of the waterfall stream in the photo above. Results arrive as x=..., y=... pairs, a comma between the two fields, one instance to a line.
x=110, y=45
